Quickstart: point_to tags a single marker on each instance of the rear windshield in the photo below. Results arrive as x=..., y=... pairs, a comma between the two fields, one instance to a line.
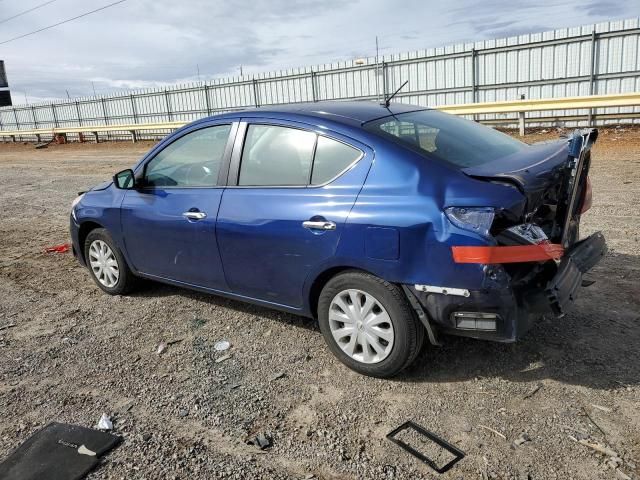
x=460, y=142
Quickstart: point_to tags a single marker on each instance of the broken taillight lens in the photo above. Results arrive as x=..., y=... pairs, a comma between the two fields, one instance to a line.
x=587, y=197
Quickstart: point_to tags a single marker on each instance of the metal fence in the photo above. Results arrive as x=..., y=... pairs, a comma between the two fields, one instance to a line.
x=595, y=59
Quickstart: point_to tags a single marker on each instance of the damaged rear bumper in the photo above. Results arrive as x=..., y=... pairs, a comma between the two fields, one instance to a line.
x=506, y=312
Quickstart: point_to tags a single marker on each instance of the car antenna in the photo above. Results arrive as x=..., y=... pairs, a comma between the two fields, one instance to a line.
x=387, y=100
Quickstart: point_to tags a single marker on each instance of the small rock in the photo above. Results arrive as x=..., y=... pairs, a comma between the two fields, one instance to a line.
x=278, y=376
x=261, y=440
x=146, y=437
x=221, y=345
x=466, y=427
x=161, y=348
x=183, y=412
x=523, y=438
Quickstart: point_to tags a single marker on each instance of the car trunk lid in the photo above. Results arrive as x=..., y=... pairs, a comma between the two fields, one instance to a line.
x=552, y=177
x=532, y=170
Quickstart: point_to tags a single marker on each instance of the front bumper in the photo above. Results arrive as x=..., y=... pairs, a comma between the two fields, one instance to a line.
x=515, y=308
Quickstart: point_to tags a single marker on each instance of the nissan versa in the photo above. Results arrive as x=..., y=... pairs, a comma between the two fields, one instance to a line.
x=386, y=223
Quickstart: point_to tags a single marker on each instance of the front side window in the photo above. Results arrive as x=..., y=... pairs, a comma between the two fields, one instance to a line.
x=275, y=155
x=457, y=141
x=191, y=161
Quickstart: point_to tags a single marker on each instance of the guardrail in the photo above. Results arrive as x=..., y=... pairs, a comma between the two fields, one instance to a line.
x=521, y=107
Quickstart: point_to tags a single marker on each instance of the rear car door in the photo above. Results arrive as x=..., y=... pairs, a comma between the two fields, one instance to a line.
x=290, y=191
x=169, y=221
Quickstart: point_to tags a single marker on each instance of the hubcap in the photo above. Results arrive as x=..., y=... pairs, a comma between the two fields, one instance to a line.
x=103, y=263
x=361, y=326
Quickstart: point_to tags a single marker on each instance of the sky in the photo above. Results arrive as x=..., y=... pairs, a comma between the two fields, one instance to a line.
x=150, y=43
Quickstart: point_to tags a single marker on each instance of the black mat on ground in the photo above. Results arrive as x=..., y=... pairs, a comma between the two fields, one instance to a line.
x=52, y=453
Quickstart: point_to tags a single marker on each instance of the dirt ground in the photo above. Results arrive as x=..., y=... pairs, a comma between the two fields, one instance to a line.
x=75, y=353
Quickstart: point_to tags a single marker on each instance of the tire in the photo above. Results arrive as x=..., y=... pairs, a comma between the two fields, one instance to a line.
x=407, y=331
x=125, y=281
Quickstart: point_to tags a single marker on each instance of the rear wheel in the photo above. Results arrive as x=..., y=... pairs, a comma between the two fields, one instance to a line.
x=368, y=324
x=106, y=263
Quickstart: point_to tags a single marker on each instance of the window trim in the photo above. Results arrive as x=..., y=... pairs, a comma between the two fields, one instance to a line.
x=238, y=148
x=224, y=163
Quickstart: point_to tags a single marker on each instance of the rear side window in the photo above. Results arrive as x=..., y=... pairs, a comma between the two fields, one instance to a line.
x=457, y=141
x=331, y=159
x=283, y=156
x=191, y=161
x=275, y=155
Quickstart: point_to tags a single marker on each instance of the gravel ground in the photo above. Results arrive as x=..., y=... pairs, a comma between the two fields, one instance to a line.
x=75, y=353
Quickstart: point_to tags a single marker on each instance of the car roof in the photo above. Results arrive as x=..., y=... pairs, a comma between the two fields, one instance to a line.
x=350, y=113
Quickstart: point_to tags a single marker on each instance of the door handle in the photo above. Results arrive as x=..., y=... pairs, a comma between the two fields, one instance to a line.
x=319, y=225
x=194, y=215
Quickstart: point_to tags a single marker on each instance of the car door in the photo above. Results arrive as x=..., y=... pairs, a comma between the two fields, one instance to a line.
x=169, y=221
x=282, y=214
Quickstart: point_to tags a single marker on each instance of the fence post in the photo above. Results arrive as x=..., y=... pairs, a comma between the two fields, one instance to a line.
x=15, y=116
x=384, y=81
x=206, y=99
x=592, y=73
x=104, y=111
x=133, y=109
x=313, y=86
x=78, y=113
x=56, y=124
x=104, y=115
x=33, y=115
x=256, y=97
x=521, y=123
x=474, y=79
x=166, y=99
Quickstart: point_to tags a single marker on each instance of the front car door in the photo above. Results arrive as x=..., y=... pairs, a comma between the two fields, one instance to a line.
x=169, y=221
x=290, y=191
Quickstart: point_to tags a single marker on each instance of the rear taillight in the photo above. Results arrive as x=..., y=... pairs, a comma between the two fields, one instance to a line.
x=587, y=197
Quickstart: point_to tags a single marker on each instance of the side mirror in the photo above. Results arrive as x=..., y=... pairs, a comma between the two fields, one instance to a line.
x=124, y=180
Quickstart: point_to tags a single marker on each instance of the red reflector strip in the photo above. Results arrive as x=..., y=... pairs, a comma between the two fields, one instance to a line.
x=508, y=254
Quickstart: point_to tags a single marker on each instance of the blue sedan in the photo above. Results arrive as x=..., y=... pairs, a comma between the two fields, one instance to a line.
x=386, y=223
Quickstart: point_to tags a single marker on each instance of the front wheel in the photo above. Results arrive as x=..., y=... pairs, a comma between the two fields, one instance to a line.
x=368, y=324
x=106, y=263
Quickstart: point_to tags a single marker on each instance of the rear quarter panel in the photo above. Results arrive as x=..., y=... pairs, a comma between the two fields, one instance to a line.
x=397, y=229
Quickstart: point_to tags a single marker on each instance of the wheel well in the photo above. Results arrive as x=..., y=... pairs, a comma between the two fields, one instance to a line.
x=84, y=230
x=320, y=282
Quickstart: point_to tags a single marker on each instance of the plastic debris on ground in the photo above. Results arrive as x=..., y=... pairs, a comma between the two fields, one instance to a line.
x=58, y=452
x=105, y=422
x=63, y=248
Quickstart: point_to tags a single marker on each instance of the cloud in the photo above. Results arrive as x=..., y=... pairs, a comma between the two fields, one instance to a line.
x=153, y=43
x=607, y=8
